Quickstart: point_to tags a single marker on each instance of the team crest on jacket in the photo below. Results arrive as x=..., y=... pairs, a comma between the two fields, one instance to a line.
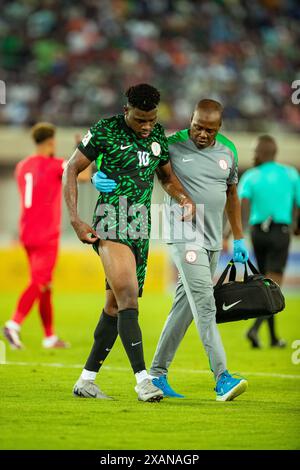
x=223, y=164
x=191, y=256
x=156, y=149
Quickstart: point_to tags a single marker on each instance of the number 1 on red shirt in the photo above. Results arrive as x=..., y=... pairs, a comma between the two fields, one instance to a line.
x=28, y=190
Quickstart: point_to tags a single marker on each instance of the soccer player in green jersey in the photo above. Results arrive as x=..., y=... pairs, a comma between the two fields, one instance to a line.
x=129, y=148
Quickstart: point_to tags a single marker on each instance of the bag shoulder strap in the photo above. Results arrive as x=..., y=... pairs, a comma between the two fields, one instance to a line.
x=232, y=274
x=253, y=269
x=222, y=278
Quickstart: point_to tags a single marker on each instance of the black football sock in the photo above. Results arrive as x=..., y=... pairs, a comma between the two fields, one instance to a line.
x=131, y=336
x=255, y=327
x=271, y=324
x=105, y=335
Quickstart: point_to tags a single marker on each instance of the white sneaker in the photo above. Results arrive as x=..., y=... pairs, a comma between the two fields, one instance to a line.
x=53, y=342
x=148, y=392
x=88, y=389
x=13, y=337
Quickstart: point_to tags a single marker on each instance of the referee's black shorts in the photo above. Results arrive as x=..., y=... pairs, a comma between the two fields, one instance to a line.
x=271, y=248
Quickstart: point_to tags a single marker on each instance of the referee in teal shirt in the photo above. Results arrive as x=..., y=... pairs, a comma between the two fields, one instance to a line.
x=271, y=190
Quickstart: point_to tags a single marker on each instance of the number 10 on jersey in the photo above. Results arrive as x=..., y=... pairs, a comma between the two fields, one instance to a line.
x=143, y=158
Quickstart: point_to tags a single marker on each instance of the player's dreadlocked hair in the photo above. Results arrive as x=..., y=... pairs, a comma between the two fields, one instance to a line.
x=143, y=96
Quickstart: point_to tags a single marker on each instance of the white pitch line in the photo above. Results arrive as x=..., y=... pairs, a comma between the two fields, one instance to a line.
x=122, y=369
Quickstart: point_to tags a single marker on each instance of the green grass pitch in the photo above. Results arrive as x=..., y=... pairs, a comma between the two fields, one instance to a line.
x=38, y=411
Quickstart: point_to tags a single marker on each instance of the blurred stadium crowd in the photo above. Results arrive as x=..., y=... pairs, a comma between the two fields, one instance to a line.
x=69, y=62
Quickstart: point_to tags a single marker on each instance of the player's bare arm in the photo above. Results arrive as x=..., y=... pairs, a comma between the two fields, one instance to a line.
x=77, y=163
x=245, y=210
x=174, y=188
x=84, y=176
x=233, y=211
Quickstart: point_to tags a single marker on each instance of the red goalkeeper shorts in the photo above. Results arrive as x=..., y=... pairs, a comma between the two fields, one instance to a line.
x=42, y=261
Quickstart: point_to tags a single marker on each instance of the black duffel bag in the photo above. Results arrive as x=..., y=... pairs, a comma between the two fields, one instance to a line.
x=255, y=296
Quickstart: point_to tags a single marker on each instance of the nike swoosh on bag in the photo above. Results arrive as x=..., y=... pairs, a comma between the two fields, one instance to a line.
x=227, y=307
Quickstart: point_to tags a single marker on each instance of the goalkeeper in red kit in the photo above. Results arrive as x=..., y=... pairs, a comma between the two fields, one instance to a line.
x=39, y=179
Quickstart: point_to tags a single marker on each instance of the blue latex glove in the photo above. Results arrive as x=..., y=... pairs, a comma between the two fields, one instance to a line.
x=102, y=183
x=240, y=252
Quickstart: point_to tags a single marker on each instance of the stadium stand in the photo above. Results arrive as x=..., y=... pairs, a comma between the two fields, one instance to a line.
x=59, y=59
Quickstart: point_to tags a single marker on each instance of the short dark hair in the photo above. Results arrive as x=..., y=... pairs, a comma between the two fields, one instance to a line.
x=143, y=96
x=42, y=131
x=270, y=145
x=267, y=138
x=210, y=106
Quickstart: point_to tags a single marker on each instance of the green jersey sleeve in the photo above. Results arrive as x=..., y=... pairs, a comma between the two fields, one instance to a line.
x=94, y=142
